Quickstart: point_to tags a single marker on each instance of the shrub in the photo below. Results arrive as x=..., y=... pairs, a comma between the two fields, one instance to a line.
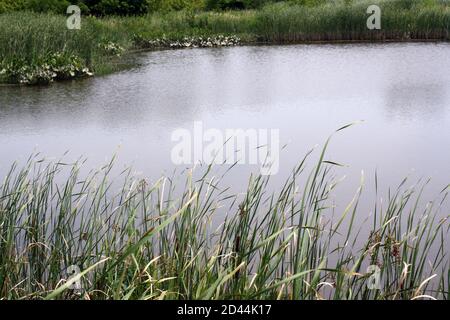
x=56, y=66
x=117, y=7
x=56, y=6
x=176, y=5
x=236, y=4
x=11, y=5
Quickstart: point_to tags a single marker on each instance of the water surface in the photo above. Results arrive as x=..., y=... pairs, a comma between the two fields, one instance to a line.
x=401, y=91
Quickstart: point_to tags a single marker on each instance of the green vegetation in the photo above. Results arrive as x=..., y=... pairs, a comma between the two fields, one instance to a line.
x=59, y=66
x=140, y=240
x=140, y=7
x=29, y=38
x=135, y=7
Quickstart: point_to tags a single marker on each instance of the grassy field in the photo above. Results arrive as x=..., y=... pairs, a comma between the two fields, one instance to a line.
x=135, y=239
x=28, y=41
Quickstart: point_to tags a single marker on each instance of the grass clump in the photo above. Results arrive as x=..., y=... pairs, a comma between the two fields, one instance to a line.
x=56, y=66
x=34, y=47
x=139, y=240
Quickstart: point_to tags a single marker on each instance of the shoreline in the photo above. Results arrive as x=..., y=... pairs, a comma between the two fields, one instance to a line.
x=244, y=44
x=39, y=48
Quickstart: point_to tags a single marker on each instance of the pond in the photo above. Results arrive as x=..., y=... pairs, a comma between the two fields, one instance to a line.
x=398, y=93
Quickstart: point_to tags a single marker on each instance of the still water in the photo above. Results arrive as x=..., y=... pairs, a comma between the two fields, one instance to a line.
x=400, y=91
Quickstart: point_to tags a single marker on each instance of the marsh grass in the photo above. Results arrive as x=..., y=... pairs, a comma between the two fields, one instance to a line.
x=140, y=240
x=31, y=36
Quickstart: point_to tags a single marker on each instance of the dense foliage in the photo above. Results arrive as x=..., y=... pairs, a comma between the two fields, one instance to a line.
x=138, y=7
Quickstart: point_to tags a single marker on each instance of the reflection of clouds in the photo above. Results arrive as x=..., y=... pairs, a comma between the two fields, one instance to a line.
x=413, y=101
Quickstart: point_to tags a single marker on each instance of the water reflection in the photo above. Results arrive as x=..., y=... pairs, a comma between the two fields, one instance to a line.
x=416, y=101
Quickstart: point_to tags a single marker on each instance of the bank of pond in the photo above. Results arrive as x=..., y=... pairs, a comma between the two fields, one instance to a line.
x=38, y=48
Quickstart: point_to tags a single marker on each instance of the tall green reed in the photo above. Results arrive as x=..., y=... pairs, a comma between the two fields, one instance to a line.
x=160, y=240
